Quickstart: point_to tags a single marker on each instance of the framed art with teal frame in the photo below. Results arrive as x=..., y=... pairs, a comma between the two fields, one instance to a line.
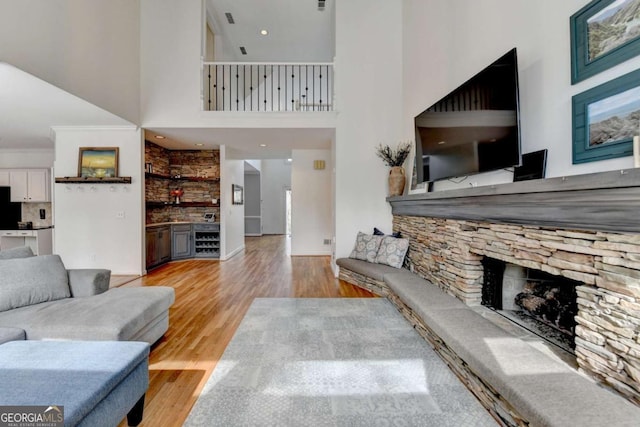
x=604, y=33
x=606, y=118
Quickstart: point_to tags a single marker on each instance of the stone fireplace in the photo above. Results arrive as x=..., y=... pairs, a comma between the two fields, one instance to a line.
x=559, y=228
x=542, y=303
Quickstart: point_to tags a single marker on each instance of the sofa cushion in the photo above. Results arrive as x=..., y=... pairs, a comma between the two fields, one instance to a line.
x=392, y=251
x=375, y=271
x=366, y=247
x=11, y=334
x=33, y=280
x=116, y=315
x=19, y=252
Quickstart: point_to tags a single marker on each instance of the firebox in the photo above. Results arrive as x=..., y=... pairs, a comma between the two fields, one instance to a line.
x=542, y=303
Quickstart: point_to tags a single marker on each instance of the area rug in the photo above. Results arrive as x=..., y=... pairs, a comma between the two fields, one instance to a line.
x=332, y=362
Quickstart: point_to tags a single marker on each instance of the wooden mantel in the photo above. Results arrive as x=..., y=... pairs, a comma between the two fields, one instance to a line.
x=606, y=201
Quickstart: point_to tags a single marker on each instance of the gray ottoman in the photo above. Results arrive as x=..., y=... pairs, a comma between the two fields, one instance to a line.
x=97, y=382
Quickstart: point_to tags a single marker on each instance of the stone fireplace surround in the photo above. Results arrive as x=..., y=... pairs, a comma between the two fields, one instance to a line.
x=582, y=227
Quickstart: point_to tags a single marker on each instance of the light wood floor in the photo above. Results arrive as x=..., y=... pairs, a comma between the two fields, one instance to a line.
x=211, y=300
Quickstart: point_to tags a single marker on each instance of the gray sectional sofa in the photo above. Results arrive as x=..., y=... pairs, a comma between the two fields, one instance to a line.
x=40, y=299
x=517, y=383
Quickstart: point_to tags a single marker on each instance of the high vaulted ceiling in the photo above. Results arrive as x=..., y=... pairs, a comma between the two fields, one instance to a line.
x=297, y=30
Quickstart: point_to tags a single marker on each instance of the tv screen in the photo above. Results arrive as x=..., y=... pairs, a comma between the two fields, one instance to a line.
x=474, y=129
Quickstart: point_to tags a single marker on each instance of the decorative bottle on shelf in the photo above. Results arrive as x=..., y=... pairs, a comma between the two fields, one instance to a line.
x=177, y=193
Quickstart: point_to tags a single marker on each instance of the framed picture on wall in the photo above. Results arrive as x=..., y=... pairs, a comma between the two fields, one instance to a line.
x=237, y=193
x=604, y=33
x=98, y=162
x=606, y=118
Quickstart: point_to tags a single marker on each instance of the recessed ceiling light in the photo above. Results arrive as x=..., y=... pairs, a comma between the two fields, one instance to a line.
x=263, y=145
x=264, y=32
x=159, y=137
x=199, y=144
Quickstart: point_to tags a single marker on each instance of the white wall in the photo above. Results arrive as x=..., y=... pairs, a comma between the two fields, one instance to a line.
x=26, y=158
x=445, y=43
x=276, y=176
x=232, y=216
x=369, y=98
x=311, y=203
x=87, y=232
x=88, y=48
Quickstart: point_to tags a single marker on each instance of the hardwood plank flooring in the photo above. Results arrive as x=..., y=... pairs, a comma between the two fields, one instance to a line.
x=211, y=299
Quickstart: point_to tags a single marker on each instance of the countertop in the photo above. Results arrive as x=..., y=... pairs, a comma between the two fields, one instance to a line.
x=160, y=224
x=42, y=227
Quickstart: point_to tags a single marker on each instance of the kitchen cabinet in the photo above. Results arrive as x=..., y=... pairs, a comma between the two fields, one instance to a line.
x=30, y=185
x=40, y=241
x=4, y=178
x=158, y=245
x=181, y=238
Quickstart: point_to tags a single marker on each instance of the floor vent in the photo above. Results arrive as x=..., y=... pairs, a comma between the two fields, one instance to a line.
x=230, y=18
x=321, y=4
x=243, y=50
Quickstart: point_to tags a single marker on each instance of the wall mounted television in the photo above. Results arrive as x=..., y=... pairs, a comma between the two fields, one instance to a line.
x=473, y=129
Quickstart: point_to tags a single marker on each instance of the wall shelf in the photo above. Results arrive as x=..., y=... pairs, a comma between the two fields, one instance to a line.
x=93, y=180
x=157, y=204
x=181, y=178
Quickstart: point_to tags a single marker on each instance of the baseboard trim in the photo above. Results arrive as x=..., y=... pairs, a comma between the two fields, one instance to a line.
x=233, y=253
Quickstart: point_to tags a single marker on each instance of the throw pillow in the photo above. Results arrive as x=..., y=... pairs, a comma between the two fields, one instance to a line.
x=377, y=232
x=366, y=247
x=392, y=251
x=28, y=281
x=19, y=252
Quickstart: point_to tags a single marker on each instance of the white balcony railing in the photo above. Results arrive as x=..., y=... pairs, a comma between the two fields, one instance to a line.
x=250, y=86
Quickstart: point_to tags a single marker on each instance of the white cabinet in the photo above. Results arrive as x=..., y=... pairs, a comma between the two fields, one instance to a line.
x=30, y=185
x=40, y=241
x=4, y=178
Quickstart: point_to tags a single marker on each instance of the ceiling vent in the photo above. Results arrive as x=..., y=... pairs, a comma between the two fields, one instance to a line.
x=230, y=17
x=321, y=5
x=243, y=50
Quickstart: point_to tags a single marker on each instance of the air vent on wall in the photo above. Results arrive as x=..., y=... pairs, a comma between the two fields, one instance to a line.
x=230, y=18
x=243, y=50
x=321, y=5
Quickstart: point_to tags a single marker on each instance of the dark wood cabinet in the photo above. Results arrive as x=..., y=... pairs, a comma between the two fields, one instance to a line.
x=181, y=238
x=158, y=245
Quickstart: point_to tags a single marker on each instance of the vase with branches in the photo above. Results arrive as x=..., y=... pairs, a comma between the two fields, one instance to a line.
x=395, y=158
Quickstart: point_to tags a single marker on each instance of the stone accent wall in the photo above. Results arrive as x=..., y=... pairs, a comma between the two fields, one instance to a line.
x=158, y=157
x=448, y=252
x=195, y=163
x=175, y=165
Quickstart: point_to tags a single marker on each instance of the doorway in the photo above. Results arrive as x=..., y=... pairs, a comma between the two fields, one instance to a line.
x=287, y=198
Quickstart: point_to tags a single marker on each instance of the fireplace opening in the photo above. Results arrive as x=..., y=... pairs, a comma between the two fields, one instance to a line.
x=542, y=303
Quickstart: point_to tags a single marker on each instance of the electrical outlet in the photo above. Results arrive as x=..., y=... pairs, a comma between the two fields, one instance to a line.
x=327, y=241
x=43, y=214
x=120, y=215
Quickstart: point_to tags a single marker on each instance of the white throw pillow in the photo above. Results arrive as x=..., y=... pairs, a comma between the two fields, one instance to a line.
x=392, y=251
x=366, y=247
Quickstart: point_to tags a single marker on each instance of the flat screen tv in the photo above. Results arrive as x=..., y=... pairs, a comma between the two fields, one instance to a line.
x=474, y=129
